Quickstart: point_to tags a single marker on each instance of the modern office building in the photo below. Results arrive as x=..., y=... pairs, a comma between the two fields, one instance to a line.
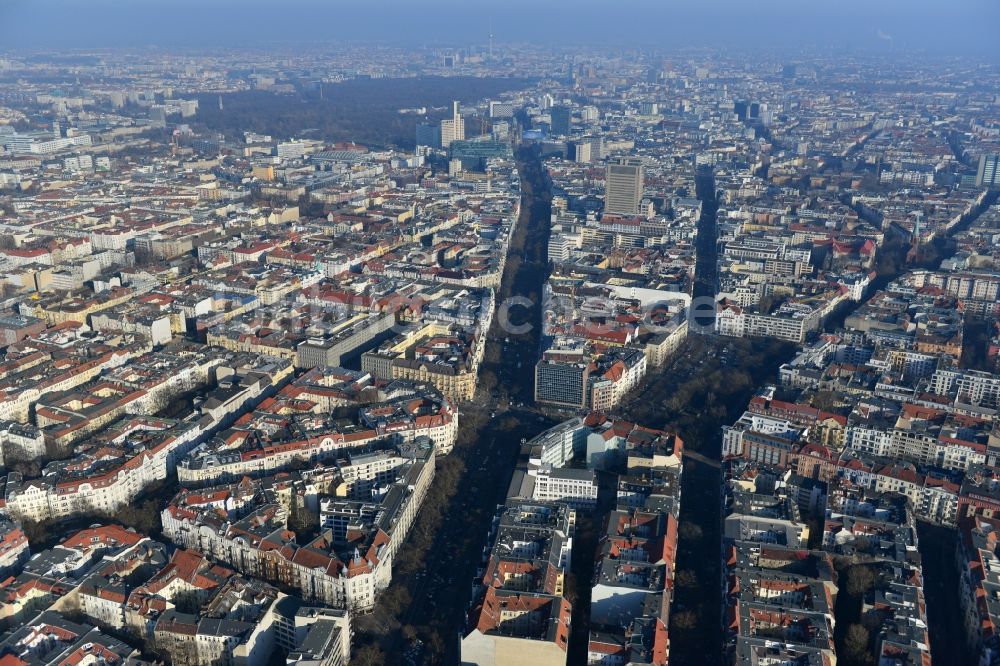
x=453, y=129
x=581, y=151
x=560, y=120
x=290, y=150
x=501, y=110
x=475, y=153
x=315, y=636
x=623, y=190
x=562, y=379
x=344, y=340
x=428, y=135
x=988, y=174
x=577, y=488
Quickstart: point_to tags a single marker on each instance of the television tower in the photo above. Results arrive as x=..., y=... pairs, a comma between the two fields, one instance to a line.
x=491, y=41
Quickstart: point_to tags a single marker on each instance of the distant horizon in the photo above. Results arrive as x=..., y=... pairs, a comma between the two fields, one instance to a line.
x=963, y=27
x=277, y=46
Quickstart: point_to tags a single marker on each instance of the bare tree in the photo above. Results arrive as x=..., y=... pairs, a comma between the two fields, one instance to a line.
x=368, y=655
x=856, y=644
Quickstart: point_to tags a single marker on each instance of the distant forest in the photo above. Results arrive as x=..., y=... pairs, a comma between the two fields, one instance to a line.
x=365, y=111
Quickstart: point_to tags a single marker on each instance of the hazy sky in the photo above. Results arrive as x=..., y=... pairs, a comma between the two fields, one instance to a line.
x=958, y=26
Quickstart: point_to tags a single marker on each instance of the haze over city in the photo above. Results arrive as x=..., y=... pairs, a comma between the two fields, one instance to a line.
x=963, y=26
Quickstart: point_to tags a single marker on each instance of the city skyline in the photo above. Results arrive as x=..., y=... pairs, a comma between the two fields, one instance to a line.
x=543, y=334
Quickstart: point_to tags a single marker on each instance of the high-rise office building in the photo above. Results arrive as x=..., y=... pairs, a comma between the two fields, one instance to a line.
x=623, y=189
x=428, y=135
x=740, y=107
x=561, y=379
x=501, y=109
x=597, y=150
x=453, y=129
x=158, y=116
x=988, y=174
x=560, y=116
x=649, y=108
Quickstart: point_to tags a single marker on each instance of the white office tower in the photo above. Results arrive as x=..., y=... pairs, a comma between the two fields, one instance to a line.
x=453, y=129
x=623, y=190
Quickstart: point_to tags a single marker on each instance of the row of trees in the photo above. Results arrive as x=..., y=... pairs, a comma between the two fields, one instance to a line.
x=706, y=385
x=499, y=378
x=712, y=394
x=854, y=641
